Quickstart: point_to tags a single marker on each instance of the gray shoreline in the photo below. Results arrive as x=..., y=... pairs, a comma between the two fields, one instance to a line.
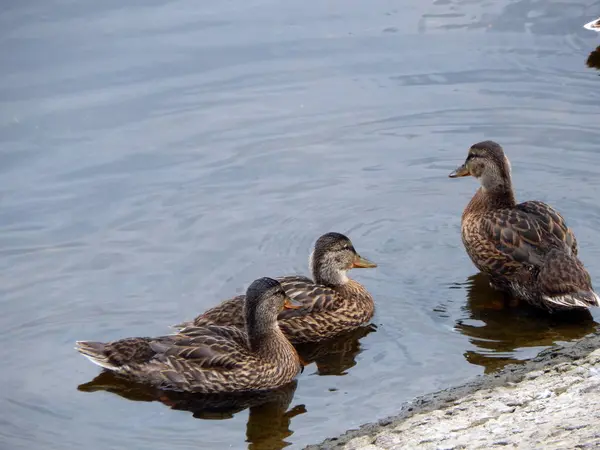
x=549, y=371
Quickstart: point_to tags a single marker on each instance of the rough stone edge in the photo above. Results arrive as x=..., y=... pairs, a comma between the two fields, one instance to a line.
x=513, y=373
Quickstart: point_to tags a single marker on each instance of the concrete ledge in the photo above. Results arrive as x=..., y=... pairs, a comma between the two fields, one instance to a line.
x=552, y=401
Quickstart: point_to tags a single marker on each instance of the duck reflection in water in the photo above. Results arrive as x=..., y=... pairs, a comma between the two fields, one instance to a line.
x=269, y=411
x=337, y=355
x=501, y=327
x=269, y=414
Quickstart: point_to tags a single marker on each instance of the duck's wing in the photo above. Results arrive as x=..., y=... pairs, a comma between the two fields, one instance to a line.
x=505, y=240
x=197, y=358
x=210, y=347
x=215, y=333
x=228, y=313
x=550, y=222
x=312, y=297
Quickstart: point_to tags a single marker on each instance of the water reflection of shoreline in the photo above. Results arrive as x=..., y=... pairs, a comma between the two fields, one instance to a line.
x=499, y=327
x=269, y=415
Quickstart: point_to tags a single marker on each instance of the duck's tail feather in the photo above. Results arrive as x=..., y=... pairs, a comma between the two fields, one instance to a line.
x=565, y=283
x=581, y=299
x=594, y=25
x=96, y=353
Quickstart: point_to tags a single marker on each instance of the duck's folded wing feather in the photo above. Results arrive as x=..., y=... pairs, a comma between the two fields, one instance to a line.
x=523, y=235
x=215, y=334
x=312, y=297
x=509, y=239
x=550, y=221
x=205, y=347
x=229, y=312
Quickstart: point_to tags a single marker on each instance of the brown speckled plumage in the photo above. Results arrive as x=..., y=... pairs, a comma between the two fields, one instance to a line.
x=330, y=305
x=210, y=359
x=527, y=248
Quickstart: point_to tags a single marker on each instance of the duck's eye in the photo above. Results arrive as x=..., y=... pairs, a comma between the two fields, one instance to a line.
x=471, y=156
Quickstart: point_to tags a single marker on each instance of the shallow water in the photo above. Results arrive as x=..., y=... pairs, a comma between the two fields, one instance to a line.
x=157, y=157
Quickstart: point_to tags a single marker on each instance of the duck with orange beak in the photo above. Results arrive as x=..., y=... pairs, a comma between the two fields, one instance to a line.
x=526, y=248
x=331, y=302
x=212, y=359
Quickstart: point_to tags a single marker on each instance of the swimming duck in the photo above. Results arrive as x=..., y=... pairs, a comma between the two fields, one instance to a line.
x=594, y=25
x=211, y=359
x=527, y=248
x=331, y=303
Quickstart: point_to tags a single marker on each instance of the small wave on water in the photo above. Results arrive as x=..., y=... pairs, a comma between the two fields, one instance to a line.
x=157, y=157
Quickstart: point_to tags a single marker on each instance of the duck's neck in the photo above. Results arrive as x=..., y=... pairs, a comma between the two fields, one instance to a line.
x=325, y=273
x=486, y=199
x=260, y=333
x=346, y=287
x=271, y=344
x=330, y=277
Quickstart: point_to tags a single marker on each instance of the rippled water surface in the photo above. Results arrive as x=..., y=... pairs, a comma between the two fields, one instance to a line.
x=157, y=156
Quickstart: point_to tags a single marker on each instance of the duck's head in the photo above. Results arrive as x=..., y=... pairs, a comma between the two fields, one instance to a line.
x=265, y=298
x=486, y=162
x=332, y=257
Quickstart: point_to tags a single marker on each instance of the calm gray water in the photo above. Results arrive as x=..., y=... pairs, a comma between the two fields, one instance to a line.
x=157, y=156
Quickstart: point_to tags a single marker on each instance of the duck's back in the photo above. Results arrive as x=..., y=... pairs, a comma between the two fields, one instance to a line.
x=324, y=312
x=208, y=359
x=228, y=313
x=231, y=312
x=551, y=222
x=312, y=297
x=502, y=241
x=530, y=251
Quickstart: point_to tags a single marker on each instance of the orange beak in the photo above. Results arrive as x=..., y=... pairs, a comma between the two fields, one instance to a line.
x=461, y=171
x=287, y=304
x=362, y=263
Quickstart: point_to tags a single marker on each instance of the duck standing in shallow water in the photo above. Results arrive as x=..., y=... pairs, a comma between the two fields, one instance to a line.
x=211, y=359
x=331, y=303
x=527, y=249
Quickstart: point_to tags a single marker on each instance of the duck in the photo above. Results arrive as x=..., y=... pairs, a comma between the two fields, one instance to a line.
x=211, y=359
x=527, y=249
x=330, y=303
x=594, y=25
